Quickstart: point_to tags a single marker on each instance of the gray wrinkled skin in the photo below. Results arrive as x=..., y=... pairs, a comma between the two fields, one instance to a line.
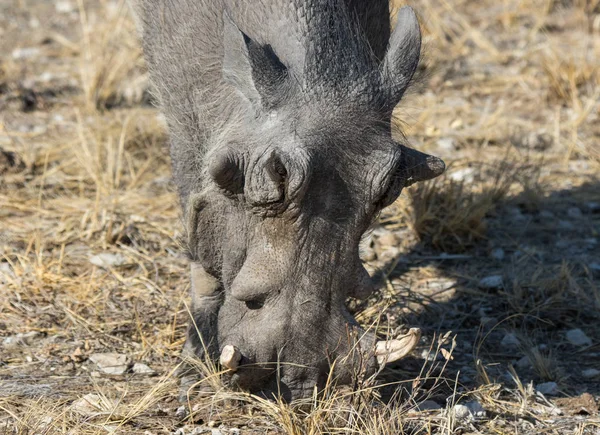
x=279, y=116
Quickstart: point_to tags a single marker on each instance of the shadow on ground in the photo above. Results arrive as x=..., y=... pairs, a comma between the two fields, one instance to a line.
x=523, y=303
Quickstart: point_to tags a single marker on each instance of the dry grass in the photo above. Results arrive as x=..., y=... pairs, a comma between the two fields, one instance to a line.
x=512, y=105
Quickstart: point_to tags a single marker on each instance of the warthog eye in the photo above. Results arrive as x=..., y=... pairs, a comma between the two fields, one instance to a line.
x=255, y=304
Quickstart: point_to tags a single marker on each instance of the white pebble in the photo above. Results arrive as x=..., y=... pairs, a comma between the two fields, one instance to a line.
x=25, y=53
x=107, y=260
x=548, y=388
x=491, y=282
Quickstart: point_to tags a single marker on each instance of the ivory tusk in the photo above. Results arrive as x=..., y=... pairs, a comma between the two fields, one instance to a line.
x=230, y=357
x=392, y=350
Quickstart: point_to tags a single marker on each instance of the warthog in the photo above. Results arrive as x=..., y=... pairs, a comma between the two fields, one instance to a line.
x=279, y=114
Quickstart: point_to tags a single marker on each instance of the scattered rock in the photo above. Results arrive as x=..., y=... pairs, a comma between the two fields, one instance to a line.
x=466, y=175
x=21, y=339
x=107, y=260
x=574, y=213
x=590, y=373
x=63, y=7
x=510, y=340
x=498, y=254
x=461, y=412
x=142, y=369
x=181, y=412
x=469, y=411
x=524, y=363
x=111, y=363
x=578, y=338
x=565, y=225
x=491, y=282
x=548, y=388
x=546, y=214
x=446, y=143
x=595, y=266
x=92, y=404
x=25, y=53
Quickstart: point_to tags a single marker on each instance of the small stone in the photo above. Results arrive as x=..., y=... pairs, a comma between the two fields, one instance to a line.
x=578, y=338
x=447, y=143
x=590, y=373
x=63, y=7
x=565, y=225
x=510, y=340
x=107, y=260
x=491, y=282
x=25, y=53
x=180, y=412
x=427, y=355
x=428, y=405
x=92, y=404
x=461, y=412
x=21, y=339
x=546, y=214
x=548, y=388
x=466, y=175
x=476, y=409
x=524, y=363
x=574, y=212
x=111, y=363
x=595, y=266
x=469, y=411
x=142, y=369
x=498, y=254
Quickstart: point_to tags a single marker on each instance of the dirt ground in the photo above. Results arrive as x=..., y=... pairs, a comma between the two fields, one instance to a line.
x=498, y=261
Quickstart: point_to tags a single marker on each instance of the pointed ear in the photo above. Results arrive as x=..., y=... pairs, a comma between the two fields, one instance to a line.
x=417, y=166
x=402, y=56
x=254, y=70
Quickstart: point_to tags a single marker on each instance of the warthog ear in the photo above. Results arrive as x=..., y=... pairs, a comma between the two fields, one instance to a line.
x=253, y=69
x=402, y=56
x=417, y=166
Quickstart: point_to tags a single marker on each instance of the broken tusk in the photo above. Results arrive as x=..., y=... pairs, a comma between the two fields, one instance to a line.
x=230, y=357
x=392, y=350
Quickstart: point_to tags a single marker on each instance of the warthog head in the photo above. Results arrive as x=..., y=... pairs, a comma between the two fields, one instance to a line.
x=301, y=175
x=280, y=123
